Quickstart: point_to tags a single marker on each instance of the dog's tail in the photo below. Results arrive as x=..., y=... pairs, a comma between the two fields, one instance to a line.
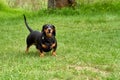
x=27, y=24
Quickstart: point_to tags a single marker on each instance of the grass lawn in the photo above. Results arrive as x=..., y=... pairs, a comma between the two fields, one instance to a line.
x=88, y=48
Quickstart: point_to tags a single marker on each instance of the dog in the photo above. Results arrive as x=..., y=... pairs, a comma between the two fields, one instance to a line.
x=44, y=41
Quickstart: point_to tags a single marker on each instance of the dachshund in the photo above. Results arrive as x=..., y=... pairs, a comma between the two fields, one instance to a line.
x=44, y=41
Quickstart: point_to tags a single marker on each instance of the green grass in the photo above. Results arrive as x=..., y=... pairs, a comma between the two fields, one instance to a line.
x=88, y=46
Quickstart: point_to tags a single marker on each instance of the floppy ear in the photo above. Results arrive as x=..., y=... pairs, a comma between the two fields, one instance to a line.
x=54, y=30
x=43, y=28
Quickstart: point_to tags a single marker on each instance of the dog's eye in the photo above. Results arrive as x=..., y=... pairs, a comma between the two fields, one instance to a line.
x=45, y=27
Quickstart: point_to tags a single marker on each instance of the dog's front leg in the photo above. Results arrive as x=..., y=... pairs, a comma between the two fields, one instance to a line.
x=41, y=54
x=54, y=52
x=53, y=45
x=40, y=51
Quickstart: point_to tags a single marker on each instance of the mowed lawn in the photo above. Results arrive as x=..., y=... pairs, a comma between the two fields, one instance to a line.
x=88, y=48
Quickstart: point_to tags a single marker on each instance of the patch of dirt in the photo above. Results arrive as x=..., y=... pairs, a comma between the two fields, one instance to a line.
x=92, y=69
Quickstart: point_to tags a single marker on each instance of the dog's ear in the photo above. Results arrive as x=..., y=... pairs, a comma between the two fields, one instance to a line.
x=54, y=30
x=43, y=28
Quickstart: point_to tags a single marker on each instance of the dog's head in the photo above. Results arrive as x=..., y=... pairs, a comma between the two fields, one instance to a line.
x=49, y=30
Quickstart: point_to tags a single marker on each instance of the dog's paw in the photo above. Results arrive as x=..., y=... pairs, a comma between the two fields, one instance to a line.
x=42, y=55
x=54, y=54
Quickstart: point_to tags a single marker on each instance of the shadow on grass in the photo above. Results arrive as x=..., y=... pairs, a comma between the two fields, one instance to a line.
x=36, y=54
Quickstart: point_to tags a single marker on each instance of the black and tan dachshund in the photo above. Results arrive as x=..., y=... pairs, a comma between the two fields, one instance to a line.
x=44, y=41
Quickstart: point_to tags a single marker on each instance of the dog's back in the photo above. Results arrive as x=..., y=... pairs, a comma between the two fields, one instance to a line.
x=32, y=37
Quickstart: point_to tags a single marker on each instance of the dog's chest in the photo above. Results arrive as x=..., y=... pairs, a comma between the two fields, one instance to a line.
x=47, y=41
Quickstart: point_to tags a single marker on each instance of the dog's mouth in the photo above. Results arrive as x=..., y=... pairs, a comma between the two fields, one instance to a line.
x=49, y=33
